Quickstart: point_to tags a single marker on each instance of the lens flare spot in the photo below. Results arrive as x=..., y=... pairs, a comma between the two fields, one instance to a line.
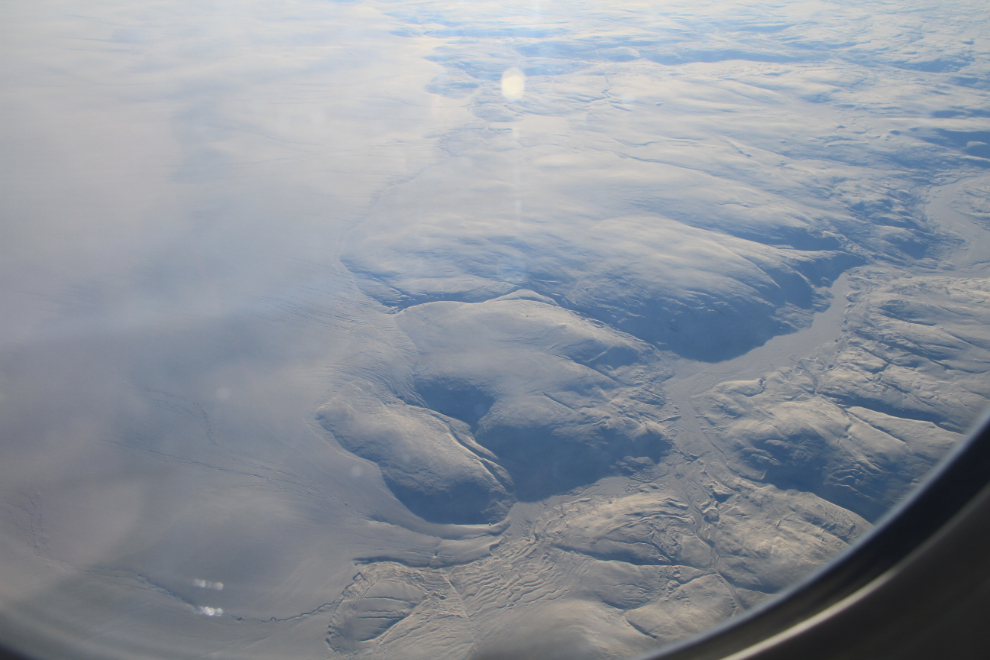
x=513, y=84
x=206, y=584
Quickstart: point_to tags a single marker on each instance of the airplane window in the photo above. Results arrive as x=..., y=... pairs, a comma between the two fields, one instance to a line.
x=365, y=329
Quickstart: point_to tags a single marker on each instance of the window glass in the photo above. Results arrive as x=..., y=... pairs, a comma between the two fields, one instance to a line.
x=379, y=329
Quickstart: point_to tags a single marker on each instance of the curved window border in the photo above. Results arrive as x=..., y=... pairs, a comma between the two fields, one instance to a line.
x=916, y=586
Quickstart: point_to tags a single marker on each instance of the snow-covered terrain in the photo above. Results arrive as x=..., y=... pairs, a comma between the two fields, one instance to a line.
x=472, y=330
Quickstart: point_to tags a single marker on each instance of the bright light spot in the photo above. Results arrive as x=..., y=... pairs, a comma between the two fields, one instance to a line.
x=209, y=611
x=513, y=84
x=206, y=584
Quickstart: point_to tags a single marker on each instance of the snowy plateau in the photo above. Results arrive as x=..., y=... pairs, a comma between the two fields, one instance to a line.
x=472, y=330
